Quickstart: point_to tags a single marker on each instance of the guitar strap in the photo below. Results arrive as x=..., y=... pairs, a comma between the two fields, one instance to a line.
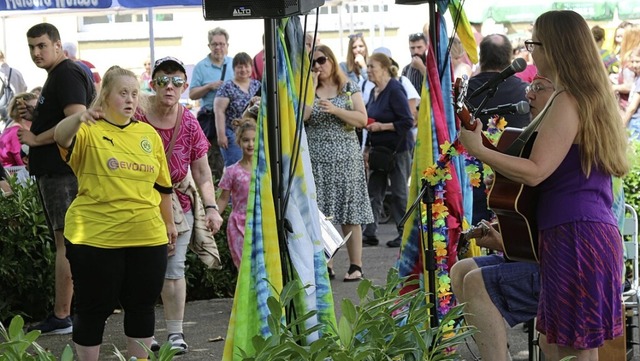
x=518, y=145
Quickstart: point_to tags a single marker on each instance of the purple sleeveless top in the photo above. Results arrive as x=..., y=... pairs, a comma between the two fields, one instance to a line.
x=569, y=196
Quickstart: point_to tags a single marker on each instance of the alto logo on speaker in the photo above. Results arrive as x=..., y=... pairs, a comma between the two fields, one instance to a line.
x=241, y=11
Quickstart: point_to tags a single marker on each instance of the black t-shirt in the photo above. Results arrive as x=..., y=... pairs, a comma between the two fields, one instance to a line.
x=511, y=91
x=66, y=84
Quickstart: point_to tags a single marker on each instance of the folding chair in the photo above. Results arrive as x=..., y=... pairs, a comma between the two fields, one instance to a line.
x=631, y=296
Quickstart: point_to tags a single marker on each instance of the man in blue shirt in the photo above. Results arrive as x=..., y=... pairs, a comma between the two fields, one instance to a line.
x=208, y=75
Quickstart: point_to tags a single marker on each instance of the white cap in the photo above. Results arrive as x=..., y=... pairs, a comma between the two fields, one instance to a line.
x=383, y=50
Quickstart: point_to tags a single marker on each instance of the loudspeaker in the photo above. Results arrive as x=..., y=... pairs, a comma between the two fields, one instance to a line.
x=256, y=9
x=411, y=2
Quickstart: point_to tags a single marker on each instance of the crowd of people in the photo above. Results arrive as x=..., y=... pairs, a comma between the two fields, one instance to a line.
x=80, y=146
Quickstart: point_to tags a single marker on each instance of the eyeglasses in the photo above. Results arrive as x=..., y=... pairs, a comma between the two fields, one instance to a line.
x=356, y=35
x=147, y=63
x=416, y=37
x=530, y=45
x=215, y=45
x=536, y=87
x=163, y=81
x=320, y=60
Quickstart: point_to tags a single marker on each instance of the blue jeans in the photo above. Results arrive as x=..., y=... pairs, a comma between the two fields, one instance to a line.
x=397, y=181
x=233, y=153
x=634, y=127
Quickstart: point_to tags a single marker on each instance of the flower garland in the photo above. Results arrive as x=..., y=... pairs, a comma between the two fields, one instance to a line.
x=437, y=175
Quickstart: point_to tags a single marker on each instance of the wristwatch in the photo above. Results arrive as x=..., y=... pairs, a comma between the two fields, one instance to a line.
x=214, y=206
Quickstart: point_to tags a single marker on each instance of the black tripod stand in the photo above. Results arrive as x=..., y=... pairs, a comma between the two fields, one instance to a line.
x=426, y=196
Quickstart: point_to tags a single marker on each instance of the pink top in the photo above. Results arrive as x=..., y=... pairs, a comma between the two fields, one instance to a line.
x=191, y=144
x=528, y=74
x=10, y=147
x=236, y=180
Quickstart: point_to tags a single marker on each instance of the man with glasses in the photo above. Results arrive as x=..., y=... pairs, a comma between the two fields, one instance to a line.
x=495, y=55
x=208, y=76
x=417, y=69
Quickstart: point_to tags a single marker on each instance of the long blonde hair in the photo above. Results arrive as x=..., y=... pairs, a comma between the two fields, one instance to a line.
x=572, y=54
x=351, y=59
x=13, y=105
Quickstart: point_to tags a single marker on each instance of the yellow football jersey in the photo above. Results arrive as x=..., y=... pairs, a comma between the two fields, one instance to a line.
x=121, y=172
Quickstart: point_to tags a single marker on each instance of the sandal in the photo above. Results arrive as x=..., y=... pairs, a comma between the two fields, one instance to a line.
x=352, y=276
x=331, y=272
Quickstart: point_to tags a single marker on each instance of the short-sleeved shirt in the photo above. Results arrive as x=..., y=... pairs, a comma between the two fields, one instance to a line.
x=206, y=72
x=10, y=147
x=121, y=172
x=415, y=76
x=238, y=98
x=66, y=84
x=237, y=180
x=191, y=144
x=351, y=75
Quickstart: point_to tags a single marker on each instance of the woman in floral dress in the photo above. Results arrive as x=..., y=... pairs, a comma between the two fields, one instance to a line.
x=336, y=159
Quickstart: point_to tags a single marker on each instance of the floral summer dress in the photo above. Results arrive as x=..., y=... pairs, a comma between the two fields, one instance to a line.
x=236, y=180
x=338, y=167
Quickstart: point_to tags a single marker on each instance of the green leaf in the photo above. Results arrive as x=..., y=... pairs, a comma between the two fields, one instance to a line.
x=344, y=332
x=349, y=310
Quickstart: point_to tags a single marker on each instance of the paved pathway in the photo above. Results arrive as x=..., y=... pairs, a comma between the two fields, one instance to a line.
x=206, y=321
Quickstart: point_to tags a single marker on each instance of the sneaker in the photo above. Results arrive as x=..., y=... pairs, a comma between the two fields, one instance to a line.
x=155, y=346
x=177, y=343
x=53, y=326
x=370, y=241
x=395, y=243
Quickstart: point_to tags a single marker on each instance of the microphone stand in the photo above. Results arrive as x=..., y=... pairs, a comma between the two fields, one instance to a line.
x=490, y=94
x=427, y=196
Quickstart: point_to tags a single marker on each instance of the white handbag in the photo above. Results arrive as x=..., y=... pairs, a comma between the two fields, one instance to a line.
x=331, y=238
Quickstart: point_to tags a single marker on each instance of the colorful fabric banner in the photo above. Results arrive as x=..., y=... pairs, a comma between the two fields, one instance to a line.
x=261, y=270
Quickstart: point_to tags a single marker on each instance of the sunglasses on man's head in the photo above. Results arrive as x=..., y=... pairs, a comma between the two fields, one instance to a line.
x=320, y=60
x=162, y=81
x=416, y=37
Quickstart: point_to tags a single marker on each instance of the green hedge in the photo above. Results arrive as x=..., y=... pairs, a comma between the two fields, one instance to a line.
x=27, y=256
x=27, y=260
x=632, y=179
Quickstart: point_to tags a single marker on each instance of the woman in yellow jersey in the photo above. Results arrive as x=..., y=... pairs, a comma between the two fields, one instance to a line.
x=118, y=227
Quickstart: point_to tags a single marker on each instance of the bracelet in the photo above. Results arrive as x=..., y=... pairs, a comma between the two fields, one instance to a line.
x=212, y=206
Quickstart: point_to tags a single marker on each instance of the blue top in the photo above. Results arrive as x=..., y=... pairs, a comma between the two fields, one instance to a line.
x=569, y=196
x=238, y=98
x=391, y=106
x=357, y=79
x=206, y=72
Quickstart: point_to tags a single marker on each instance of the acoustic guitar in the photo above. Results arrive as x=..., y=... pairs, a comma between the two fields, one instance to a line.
x=513, y=203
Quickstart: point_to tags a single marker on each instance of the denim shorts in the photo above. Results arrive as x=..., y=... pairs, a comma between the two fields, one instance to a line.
x=514, y=287
x=57, y=191
x=176, y=263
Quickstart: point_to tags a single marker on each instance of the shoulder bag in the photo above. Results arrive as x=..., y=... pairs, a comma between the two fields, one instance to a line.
x=202, y=242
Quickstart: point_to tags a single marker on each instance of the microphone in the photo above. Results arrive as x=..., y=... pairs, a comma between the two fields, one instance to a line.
x=521, y=107
x=516, y=66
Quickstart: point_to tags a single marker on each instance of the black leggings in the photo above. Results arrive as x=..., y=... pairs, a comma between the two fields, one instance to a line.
x=105, y=278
